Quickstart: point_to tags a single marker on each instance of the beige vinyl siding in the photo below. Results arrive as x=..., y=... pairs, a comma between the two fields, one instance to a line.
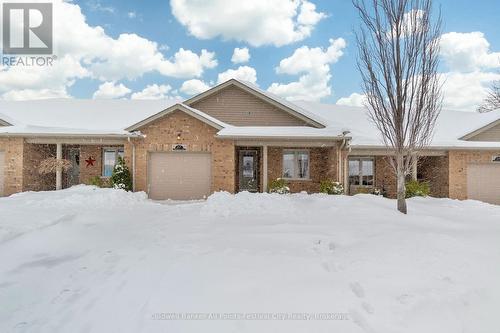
x=491, y=134
x=483, y=182
x=179, y=175
x=2, y=173
x=235, y=106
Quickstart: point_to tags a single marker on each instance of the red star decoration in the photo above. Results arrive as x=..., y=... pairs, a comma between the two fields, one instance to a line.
x=90, y=161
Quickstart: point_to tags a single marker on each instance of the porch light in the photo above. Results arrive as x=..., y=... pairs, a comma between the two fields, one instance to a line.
x=179, y=136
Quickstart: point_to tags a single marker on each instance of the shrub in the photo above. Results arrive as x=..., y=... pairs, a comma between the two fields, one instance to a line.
x=279, y=186
x=99, y=182
x=331, y=187
x=121, y=178
x=415, y=188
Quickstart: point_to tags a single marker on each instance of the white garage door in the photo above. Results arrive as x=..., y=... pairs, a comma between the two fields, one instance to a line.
x=179, y=175
x=2, y=173
x=483, y=182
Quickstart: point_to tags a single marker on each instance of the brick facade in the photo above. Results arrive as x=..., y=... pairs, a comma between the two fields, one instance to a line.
x=385, y=180
x=435, y=171
x=33, y=155
x=13, y=164
x=161, y=134
x=458, y=160
x=323, y=166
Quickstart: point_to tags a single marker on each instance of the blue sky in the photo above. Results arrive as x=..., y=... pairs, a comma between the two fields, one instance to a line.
x=155, y=21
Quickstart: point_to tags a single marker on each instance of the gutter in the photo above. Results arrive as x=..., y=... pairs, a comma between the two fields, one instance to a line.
x=284, y=137
x=67, y=135
x=430, y=147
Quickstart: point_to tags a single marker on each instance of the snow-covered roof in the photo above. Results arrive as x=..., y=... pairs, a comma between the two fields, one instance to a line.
x=450, y=126
x=118, y=117
x=74, y=116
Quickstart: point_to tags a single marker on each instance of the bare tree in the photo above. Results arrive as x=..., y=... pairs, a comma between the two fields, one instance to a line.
x=492, y=101
x=398, y=44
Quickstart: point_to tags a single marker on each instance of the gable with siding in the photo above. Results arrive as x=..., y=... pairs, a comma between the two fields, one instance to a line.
x=236, y=106
x=490, y=134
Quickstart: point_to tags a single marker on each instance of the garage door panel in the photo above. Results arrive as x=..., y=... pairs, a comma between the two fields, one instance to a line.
x=2, y=173
x=179, y=176
x=483, y=182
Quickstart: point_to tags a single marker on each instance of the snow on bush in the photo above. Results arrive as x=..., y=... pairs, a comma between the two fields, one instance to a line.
x=331, y=187
x=279, y=186
x=121, y=178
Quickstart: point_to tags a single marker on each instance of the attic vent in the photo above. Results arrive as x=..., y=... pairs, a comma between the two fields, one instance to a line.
x=495, y=159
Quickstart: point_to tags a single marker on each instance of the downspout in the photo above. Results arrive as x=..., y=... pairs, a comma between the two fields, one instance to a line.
x=133, y=163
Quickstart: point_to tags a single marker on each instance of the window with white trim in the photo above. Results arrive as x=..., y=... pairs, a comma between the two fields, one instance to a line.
x=296, y=164
x=361, y=171
x=109, y=160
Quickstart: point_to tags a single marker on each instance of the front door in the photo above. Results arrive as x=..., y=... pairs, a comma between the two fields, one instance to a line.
x=74, y=171
x=248, y=170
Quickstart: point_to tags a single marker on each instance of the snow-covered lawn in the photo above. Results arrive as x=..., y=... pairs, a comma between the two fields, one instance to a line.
x=101, y=260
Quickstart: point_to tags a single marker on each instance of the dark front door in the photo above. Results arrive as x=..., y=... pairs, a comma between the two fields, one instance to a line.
x=74, y=172
x=248, y=170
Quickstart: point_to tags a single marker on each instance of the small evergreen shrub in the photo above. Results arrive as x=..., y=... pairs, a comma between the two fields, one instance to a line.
x=279, y=186
x=99, y=182
x=330, y=187
x=121, y=178
x=414, y=188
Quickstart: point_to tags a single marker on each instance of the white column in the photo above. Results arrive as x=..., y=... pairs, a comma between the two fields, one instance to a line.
x=59, y=169
x=414, y=169
x=264, y=168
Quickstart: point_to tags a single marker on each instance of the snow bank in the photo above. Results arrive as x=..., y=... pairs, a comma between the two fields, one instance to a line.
x=102, y=260
x=53, y=207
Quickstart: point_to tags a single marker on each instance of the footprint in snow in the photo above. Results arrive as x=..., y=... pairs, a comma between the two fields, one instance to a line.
x=357, y=289
x=359, y=319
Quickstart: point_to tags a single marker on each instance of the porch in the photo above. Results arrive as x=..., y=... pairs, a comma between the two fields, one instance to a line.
x=85, y=160
x=370, y=170
x=302, y=164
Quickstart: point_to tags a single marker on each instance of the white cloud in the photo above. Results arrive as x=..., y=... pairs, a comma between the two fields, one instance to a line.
x=111, y=90
x=472, y=68
x=153, y=91
x=131, y=15
x=466, y=91
x=354, y=99
x=240, y=55
x=87, y=51
x=24, y=94
x=193, y=87
x=257, y=22
x=244, y=73
x=467, y=52
x=313, y=66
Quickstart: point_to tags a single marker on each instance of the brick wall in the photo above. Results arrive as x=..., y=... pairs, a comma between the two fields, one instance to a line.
x=459, y=159
x=13, y=164
x=198, y=136
x=384, y=176
x=33, y=155
x=323, y=165
x=89, y=172
x=435, y=170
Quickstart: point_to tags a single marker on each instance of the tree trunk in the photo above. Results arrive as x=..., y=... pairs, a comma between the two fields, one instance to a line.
x=401, y=186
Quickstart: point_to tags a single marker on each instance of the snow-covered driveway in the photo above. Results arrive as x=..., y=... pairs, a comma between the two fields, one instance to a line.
x=101, y=260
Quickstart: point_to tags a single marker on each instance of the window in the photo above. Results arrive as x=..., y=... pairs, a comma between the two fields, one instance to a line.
x=109, y=159
x=361, y=171
x=296, y=164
